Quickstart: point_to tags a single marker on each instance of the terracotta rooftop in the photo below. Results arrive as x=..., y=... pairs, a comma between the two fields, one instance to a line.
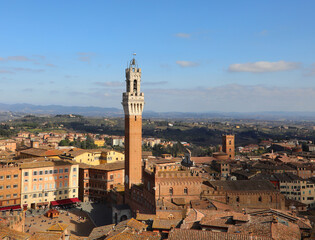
x=165, y=223
x=188, y=234
x=46, y=236
x=46, y=163
x=106, y=166
x=135, y=236
x=39, y=152
x=59, y=227
x=243, y=185
x=98, y=232
x=8, y=233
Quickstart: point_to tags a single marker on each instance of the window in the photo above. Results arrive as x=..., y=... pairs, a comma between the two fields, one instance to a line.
x=15, y=195
x=237, y=199
x=259, y=199
x=15, y=186
x=55, y=171
x=40, y=195
x=25, y=197
x=60, y=170
x=8, y=177
x=40, y=179
x=66, y=191
x=25, y=188
x=1, y=177
x=73, y=190
x=1, y=196
x=26, y=174
x=171, y=191
x=25, y=180
x=186, y=190
x=34, y=195
x=40, y=172
x=66, y=176
x=55, y=193
x=40, y=186
x=50, y=171
x=74, y=169
x=35, y=173
x=135, y=86
x=35, y=180
x=34, y=187
x=15, y=176
x=66, y=170
x=60, y=192
x=8, y=196
x=8, y=187
x=60, y=177
x=46, y=194
x=60, y=184
x=1, y=187
x=66, y=184
x=111, y=176
x=46, y=171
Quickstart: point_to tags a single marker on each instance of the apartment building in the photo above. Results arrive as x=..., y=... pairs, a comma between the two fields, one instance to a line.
x=44, y=182
x=10, y=187
x=298, y=189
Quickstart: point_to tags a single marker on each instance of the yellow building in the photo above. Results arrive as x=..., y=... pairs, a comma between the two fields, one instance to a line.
x=99, y=143
x=110, y=156
x=93, y=156
x=87, y=156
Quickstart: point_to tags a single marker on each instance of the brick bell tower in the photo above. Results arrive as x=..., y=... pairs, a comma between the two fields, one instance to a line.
x=133, y=102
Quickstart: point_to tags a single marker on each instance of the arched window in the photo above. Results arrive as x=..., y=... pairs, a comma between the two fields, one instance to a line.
x=186, y=190
x=135, y=86
x=259, y=199
x=171, y=191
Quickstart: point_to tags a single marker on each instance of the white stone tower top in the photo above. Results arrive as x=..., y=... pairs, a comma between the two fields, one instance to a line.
x=133, y=98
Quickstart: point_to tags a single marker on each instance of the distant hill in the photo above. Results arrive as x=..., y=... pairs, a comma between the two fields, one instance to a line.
x=9, y=111
x=58, y=109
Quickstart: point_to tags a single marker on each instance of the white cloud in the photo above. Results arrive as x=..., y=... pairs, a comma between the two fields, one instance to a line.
x=110, y=83
x=310, y=71
x=85, y=56
x=264, y=32
x=231, y=98
x=187, y=63
x=183, y=35
x=259, y=67
x=16, y=59
x=5, y=72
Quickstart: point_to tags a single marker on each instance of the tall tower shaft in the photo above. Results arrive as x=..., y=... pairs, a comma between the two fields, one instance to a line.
x=133, y=102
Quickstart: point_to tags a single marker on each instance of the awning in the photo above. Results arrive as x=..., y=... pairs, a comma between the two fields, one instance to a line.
x=64, y=201
x=16, y=207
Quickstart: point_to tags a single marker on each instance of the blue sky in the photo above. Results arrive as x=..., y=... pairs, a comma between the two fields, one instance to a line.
x=196, y=56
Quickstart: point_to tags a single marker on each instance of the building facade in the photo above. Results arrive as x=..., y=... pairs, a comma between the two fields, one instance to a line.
x=45, y=181
x=10, y=186
x=95, y=182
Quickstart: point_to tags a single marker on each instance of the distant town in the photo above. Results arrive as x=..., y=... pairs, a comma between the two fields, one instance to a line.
x=73, y=177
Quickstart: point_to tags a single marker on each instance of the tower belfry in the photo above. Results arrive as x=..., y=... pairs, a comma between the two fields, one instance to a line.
x=133, y=102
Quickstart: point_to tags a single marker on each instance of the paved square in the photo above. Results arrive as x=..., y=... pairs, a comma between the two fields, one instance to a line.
x=77, y=227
